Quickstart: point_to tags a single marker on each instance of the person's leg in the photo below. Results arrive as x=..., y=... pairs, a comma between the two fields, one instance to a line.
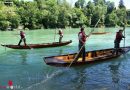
x=80, y=46
x=79, y=54
x=24, y=41
x=60, y=39
x=114, y=51
x=118, y=45
x=84, y=53
x=117, y=48
x=115, y=45
x=20, y=41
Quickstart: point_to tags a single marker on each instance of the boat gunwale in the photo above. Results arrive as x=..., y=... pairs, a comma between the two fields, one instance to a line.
x=87, y=51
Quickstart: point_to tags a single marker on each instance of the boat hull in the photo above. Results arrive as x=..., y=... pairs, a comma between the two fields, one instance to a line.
x=91, y=57
x=43, y=45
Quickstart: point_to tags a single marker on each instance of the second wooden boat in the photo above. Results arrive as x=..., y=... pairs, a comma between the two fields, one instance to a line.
x=91, y=57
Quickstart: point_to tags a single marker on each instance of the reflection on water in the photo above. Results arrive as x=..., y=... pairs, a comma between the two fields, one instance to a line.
x=80, y=78
x=23, y=56
x=114, y=70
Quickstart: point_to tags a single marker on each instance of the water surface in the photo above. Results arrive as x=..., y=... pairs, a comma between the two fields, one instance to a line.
x=27, y=69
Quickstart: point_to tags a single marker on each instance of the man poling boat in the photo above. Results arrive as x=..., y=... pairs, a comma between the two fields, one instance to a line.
x=23, y=38
x=60, y=32
x=82, y=48
x=82, y=40
x=118, y=38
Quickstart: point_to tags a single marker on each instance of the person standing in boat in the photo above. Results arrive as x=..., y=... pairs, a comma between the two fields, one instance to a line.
x=61, y=35
x=118, y=39
x=23, y=38
x=82, y=39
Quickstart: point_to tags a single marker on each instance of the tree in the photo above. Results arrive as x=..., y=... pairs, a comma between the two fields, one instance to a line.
x=78, y=18
x=29, y=13
x=101, y=2
x=100, y=10
x=110, y=6
x=64, y=16
x=80, y=3
x=121, y=14
x=111, y=19
x=121, y=4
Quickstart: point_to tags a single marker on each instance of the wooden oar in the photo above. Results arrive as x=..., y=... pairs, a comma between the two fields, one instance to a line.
x=77, y=55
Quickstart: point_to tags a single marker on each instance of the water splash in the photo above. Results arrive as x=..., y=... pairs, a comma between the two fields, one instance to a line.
x=48, y=77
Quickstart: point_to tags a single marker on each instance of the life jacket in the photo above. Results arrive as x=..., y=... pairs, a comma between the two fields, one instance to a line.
x=83, y=36
x=22, y=34
x=119, y=36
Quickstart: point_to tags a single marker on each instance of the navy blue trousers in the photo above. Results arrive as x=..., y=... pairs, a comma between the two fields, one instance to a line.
x=83, y=52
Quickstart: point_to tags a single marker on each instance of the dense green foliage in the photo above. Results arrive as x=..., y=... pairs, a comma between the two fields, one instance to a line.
x=59, y=14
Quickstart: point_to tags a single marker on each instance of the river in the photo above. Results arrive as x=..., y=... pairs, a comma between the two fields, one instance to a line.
x=27, y=70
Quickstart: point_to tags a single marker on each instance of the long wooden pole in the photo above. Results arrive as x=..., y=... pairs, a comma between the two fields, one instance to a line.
x=77, y=55
x=55, y=35
x=124, y=31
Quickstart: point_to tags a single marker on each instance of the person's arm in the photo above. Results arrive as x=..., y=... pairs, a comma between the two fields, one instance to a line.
x=123, y=36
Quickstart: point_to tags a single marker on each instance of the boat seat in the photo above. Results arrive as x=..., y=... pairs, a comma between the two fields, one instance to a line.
x=59, y=57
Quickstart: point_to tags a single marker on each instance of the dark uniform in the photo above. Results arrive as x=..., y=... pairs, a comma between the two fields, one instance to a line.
x=118, y=39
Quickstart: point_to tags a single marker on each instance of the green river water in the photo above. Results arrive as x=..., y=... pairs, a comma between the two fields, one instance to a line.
x=27, y=70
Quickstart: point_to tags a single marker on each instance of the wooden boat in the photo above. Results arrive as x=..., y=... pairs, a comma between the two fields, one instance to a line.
x=91, y=57
x=42, y=45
